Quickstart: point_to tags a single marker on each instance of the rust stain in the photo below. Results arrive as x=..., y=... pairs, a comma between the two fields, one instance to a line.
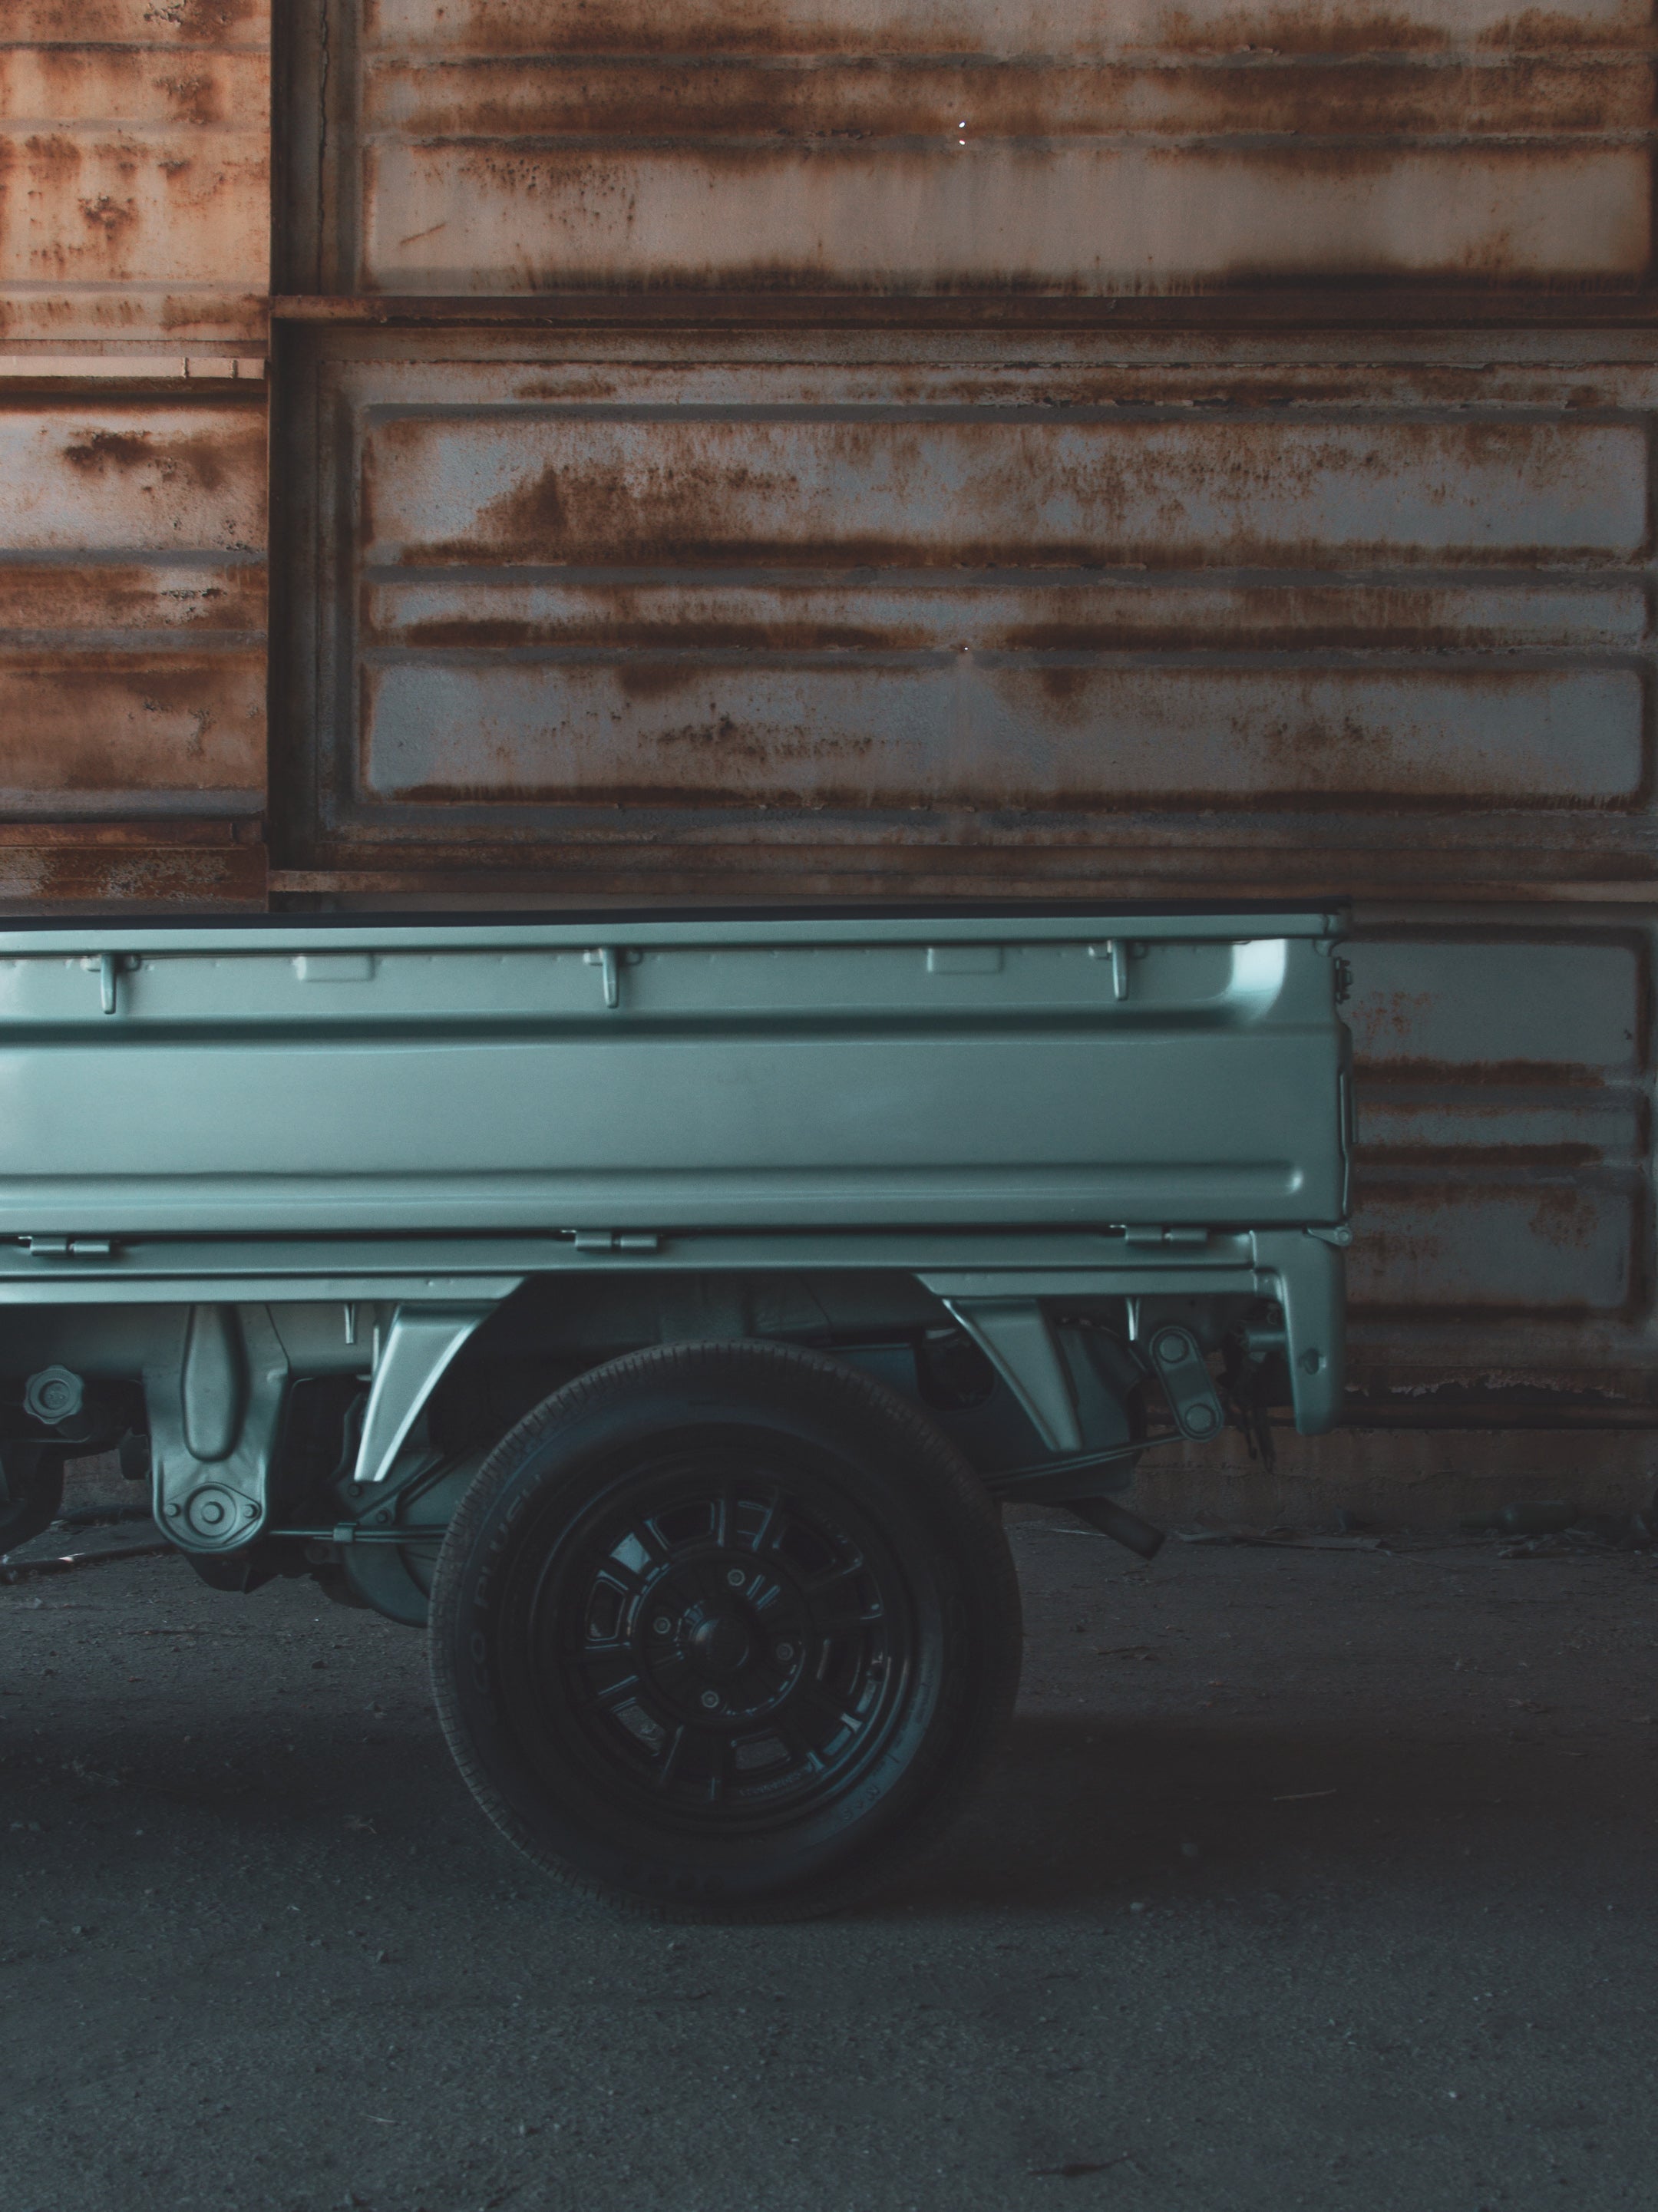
x=476, y=631
x=804, y=636
x=734, y=748
x=806, y=854
x=1562, y=1217
x=67, y=596
x=112, y=723
x=199, y=459
x=134, y=189
x=79, y=877
x=872, y=98
x=109, y=449
x=201, y=22
x=1390, y=1238
x=971, y=497
x=657, y=679
x=1054, y=220
x=111, y=217
x=1065, y=689
x=782, y=616
x=1531, y=1158
x=1517, y=1074
x=527, y=27
x=1374, y=1021
x=194, y=98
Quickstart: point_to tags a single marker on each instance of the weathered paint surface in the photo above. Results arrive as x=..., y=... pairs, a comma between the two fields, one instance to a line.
x=1095, y=220
x=981, y=738
x=134, y=171
x=131, y=608
x=1024, y=617
x=86, y=866
x=1233, y=28
x=1503, y=1252
x=134, y=222
x=1037, y=486
x=132, y=475
x=803, y=143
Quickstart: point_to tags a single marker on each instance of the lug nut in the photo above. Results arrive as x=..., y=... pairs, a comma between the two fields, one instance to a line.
x=736, y=1578
x=710, y=1701
x=662, y=1625
x=786, y=1652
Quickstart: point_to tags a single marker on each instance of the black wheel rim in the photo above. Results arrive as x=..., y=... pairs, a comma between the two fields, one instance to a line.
x=722, y=1639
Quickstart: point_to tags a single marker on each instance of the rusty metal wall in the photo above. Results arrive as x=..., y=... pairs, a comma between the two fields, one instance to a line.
x=1501, y=1265
x=809, y=444
x=134, y=171
x=1504, y=1340
x=134, y=282
x=491, y=147
x=766, y=615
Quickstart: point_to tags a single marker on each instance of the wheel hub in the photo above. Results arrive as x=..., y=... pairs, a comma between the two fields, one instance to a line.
x=719, y=1645
x=731, y=1646
x=716, y=1638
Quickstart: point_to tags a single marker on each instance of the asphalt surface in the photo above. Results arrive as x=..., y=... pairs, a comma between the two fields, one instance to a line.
x=1310, y=1877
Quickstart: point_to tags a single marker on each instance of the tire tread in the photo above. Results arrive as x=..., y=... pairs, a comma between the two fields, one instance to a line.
x=980, y=1522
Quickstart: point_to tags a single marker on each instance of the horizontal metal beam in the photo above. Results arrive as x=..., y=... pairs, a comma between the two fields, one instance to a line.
x=1395, y=307
x=433, y=1269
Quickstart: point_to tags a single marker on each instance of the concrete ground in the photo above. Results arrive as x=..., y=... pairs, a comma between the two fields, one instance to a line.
x=1316, y=1877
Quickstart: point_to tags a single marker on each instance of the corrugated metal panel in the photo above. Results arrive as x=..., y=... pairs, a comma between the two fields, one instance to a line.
x=1503, y=1254
x=1270, y=626
x=78, y=867
x=132, y=660
x=481, y=148
x=1502, y=1268
x=134, y=250
x=134, y=170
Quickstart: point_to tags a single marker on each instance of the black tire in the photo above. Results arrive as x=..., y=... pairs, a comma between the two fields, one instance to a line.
x=724, y=1633
x=34, y=1482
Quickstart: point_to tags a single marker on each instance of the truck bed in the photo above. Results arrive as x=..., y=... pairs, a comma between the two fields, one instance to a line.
x=374, y=1077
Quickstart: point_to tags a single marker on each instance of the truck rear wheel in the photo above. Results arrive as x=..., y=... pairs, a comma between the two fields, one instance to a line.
x=724, y=1632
